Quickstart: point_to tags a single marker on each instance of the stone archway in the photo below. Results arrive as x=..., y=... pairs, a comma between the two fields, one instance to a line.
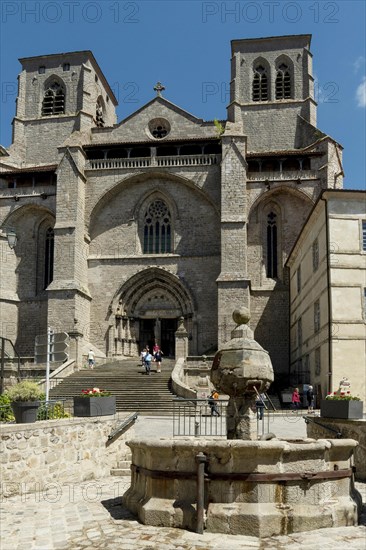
x=147, y=307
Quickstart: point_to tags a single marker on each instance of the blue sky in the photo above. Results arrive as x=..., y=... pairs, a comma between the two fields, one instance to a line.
x=186, y=45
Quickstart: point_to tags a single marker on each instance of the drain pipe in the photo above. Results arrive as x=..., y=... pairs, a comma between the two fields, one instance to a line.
x=201, y=460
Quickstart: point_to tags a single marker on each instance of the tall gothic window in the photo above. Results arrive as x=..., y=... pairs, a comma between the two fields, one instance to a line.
x=283, y=82
x=53, y=100
x=260, y=84
x=48, y=257
x=157, y=229
x=272, y=260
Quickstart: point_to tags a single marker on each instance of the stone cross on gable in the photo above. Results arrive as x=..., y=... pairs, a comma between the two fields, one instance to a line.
x=159, y=88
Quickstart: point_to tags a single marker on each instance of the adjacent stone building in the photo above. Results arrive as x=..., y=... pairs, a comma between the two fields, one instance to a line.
x=328, y=294
x=123, y=227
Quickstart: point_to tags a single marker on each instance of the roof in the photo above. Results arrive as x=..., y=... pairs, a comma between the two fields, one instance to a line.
x=29, y=169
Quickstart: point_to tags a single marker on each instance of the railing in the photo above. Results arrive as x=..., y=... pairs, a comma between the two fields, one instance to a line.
x=18, y=193
x=281, y=176
x=53, y=409
x=144, y=162
x=195, y=417
x=123, y=426
x=10, y=355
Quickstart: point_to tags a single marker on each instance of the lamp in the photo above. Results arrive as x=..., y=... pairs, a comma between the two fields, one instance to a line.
x=12, y=238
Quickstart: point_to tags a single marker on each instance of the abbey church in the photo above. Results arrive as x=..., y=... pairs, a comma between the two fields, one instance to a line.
x=123, y=227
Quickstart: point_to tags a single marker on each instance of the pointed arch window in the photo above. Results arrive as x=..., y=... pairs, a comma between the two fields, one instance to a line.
x=283, y=82
x=157, y=229
x=53, y=100
x=48, y=257
x=272, y=259
x=260, y=84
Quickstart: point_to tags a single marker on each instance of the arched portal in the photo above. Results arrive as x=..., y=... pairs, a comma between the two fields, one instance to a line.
x=147, y=307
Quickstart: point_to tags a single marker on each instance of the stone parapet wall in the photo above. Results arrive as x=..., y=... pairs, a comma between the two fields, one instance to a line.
x=36, y=456
x=350, y=429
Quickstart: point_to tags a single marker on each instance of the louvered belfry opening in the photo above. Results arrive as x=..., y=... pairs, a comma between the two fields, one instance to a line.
x=260, y=84
x=54, y=100
x=283, y=83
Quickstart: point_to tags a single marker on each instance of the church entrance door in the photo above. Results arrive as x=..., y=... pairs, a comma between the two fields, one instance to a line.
x=147, y=333
x=168, y=329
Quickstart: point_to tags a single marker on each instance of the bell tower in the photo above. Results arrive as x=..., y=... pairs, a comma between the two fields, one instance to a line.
x=58, y=95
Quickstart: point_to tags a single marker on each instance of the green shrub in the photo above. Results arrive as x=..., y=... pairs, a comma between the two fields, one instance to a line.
x=51, y=411
x=25, y=391
x=6, y=413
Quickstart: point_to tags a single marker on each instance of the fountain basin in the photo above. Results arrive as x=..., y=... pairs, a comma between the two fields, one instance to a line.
x=254, y=488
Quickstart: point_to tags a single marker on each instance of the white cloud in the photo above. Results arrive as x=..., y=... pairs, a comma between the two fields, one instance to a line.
x=359, y=63
x=361, y=93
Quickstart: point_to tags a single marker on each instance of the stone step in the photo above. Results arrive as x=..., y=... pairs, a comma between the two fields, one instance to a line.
x=134, y=391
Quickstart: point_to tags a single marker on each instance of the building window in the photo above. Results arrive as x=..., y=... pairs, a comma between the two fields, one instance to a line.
x=298, y=279
x=159, y=128
x=54, y=100
x=41, y=69
x=48, y=257
x=283, y=82
x=299, y=333
x=315, y=255
x=260, y=84
x=66, y=67
x=157, y=229
x=272, y=271
x=317, y=361
x=364, y=235
x=317, y=316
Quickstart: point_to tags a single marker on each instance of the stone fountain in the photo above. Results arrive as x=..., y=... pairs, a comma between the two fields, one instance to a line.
x=240, y=485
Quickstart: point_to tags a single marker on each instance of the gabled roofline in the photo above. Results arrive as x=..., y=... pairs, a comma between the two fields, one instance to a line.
x=166, y=102
x=87, y=53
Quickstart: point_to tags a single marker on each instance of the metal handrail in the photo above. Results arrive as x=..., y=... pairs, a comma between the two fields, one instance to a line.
x=123, y=425
x=307, y=420
x=2, y=360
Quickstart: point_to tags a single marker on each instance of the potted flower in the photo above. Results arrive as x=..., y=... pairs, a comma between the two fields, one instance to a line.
x=94, y=402
x=25, y=400
x=341, y=404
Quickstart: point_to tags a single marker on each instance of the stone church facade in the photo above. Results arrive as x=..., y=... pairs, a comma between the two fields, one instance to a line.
x=124, y=227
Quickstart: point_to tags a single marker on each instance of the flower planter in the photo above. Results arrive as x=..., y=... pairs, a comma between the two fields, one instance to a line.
x=94, y=406
x=337, y=408
x=25, y=412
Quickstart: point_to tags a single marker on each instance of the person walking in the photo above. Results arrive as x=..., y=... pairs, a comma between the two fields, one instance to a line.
x=212, y=401
x=148, y=359
x=295, y=399
x=157, y=356
x=260, y=405
x=91, y=359
x=310, y=399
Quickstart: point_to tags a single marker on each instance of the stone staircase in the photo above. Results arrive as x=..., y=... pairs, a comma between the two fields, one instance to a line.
x=135, y=391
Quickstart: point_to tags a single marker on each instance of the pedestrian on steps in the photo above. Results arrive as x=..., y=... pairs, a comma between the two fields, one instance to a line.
x=157, y=356
x=91, y=359
x=148, y=359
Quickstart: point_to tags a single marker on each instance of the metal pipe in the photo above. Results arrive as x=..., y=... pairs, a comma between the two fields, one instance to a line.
x=201, y=460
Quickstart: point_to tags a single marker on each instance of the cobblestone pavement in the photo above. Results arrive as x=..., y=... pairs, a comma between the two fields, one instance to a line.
x=91, y=515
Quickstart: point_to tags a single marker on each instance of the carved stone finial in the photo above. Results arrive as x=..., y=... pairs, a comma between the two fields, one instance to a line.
x=159, y=88
x=241, y=316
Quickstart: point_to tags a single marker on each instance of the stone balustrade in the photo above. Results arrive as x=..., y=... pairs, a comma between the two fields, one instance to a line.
x=145, y=162
x=284, y=176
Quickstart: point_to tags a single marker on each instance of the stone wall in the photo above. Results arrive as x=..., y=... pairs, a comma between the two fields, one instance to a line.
x=350, y=429
x=35, y=457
